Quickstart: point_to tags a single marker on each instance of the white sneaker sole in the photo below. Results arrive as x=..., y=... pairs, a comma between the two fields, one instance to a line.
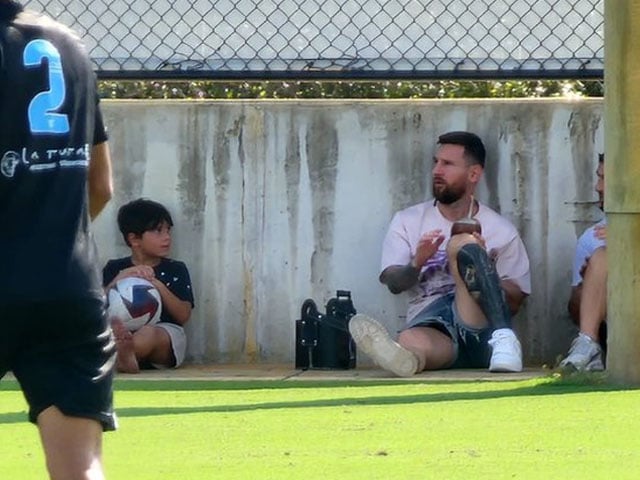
x=593, y=365
x=504, y=365
x=505, y=360
x=373, y=339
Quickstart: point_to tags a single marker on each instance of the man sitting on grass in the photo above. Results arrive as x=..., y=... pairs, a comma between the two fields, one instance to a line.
x=462, y=287
x=588, y=302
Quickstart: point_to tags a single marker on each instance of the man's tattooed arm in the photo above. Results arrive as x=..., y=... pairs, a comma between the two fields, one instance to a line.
x=399, y=278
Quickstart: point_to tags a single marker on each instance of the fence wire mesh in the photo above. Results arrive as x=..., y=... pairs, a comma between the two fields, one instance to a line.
x=334, y=39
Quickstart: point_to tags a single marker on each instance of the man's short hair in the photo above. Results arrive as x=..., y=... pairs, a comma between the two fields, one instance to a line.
x=141, y=215
x=473, y=147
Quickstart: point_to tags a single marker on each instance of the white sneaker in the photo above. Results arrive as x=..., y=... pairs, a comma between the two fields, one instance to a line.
x=374, y=340
x=507, y=353
x=585, y=354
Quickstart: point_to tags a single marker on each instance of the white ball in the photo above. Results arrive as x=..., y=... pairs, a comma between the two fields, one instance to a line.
x=135, y=301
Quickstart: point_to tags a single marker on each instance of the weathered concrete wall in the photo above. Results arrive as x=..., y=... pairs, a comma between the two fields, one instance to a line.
x=278, y=201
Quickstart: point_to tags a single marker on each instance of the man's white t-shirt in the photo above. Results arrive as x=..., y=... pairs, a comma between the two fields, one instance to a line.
x=502, y=241
x=587, y=244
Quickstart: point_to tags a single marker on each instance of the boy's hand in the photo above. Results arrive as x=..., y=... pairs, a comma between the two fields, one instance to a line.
x=142, y=271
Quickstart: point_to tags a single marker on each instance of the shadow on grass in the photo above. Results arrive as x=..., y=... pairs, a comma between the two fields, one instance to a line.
x=13, y=417
x=549, y=386
x=169, y=385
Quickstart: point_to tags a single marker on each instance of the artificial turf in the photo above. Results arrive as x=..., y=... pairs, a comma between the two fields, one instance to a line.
x=550, y=428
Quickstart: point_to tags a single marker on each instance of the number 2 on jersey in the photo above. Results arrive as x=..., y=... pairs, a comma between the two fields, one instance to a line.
x=42, y=116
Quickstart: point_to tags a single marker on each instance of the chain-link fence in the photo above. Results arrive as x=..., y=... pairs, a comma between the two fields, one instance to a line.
x=333, y=39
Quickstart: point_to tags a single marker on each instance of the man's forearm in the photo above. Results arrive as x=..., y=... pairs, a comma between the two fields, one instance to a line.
x=399, y=278
x=100, y=179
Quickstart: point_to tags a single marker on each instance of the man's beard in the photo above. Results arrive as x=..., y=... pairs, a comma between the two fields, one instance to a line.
x=447, y=194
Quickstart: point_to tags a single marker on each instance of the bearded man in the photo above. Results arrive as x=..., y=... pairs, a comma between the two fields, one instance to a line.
x=462, y=288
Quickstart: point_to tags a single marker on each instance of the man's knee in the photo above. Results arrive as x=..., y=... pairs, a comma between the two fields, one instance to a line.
x=434, y=348
x=408, y=338
x=472, y=259
x=456, y=243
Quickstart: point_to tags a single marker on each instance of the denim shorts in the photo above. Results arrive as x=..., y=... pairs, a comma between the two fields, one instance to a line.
x=470, y=344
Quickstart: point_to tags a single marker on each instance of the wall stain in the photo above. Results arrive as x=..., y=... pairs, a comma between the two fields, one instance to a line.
x=321, y=145
x=221, y=156
x=248, y=314
x=292, y=164
x=410, y=145
x=192, y=170
x=583, y=125
x=129, y=155
x=527, y=132
x=250, y=343
x=482, y=122
x=226, y=139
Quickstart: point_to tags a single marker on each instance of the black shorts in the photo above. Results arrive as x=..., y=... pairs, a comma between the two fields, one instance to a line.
x=62, y=353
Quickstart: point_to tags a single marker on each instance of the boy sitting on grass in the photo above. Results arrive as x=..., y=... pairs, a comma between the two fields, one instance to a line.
x=146, y=228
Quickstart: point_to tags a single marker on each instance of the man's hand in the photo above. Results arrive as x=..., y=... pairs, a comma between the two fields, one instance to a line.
x=600, y=232
x=427, y=246
x=483, y=243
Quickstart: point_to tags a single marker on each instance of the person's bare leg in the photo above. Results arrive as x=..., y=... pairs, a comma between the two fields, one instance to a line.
x=590, y=298
x=593, y=298
x=466, y=305
x=126, y=360
x=433, y=348
x=72, y=446
x=373, y=339
x=153, y=344
x=481, y=301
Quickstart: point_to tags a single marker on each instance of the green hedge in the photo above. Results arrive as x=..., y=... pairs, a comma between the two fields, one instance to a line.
x=385, y=89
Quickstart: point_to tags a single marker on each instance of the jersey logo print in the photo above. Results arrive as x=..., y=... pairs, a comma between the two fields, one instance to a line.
x=9, y=162
x=42, y=116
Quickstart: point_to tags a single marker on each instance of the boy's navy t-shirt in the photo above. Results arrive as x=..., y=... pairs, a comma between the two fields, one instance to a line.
x=173, y=273
x=49, y=120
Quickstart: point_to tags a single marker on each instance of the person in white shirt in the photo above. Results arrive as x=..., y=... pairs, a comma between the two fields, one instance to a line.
x=588, y=302
x=463, y=288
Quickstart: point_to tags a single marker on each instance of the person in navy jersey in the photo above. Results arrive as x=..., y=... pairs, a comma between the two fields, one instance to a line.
x=55, y=176
x=146, y=228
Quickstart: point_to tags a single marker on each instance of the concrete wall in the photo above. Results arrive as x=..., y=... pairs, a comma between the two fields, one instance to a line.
x=278, y=201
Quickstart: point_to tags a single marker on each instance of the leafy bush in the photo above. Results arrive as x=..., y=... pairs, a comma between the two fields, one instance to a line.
x=349, y=89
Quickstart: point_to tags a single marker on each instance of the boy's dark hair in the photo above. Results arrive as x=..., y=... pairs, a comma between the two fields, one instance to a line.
x=473, y=147
x=141, y=215
x=601, y=158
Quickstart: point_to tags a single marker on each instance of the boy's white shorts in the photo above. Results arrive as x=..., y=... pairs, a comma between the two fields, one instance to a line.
x=178, y=342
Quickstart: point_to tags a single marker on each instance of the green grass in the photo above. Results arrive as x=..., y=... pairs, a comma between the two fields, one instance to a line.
x=547, y=428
